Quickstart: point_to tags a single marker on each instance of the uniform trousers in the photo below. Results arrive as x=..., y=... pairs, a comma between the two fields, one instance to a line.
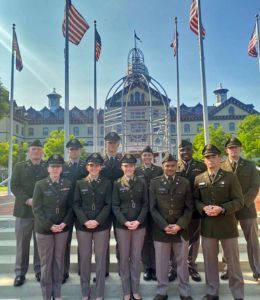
x=51, y=250
x=24, y=230
x=148, y=253
x=130, y=243
x=162, y=257
x=85, y=240
x=210, y=248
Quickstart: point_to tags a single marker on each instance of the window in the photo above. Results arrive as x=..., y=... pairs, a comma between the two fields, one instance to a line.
x=231, y=110
x=156, y=114
x=17, y=128
x=157, y=141
x=45, y=131
x=199, y=126
x=173, y=143
x=137, y=96
x=216, y=125
x=30, y=131
x=101, y=130
x=89, y=143
x=119, y=128
x=90, y=131
x=22, y=131
x=137, y=115
x=60, y=128
x=143, y=97
x=76, y=131
x=138, y=128
x=173, y=128
x=186, y=128
x=132, y=98
x=101, y=143
x=232, y=126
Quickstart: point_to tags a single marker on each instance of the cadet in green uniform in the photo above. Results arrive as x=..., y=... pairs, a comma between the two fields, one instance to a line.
x=248, y=178
x=92, y=206
x=24, y=177
x=218, y=196
x=74, y=169
x=171, y=208
x=189, y=168
x=53, y=217
x=130, y=206
x=148, y=171
x=111, y=169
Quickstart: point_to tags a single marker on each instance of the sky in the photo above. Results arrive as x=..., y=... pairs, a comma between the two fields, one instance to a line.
x=228, y=23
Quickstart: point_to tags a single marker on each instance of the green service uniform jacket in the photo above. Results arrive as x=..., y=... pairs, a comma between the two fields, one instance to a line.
x=52, y=205
x=248, y=177
x=193, y=169
x=224, y=191
x=24, y=177
x=92, y=201
x=74, y=173
x=129, y=202
x=148, y=173
x=111, y=168
x=170, y=204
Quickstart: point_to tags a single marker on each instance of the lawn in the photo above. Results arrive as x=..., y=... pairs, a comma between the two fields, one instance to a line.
x=3, y=188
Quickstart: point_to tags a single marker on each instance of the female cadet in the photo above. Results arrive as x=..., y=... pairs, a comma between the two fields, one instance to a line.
x=53, y=216
x=130, y=206
x=92, y=206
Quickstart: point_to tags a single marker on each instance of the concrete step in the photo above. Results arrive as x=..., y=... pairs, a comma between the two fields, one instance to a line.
x=71, y=290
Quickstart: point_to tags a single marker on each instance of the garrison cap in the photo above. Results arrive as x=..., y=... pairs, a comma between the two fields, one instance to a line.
x=147, y=149
x=112, y=137
x=210, y=149
x=75, y=143
x=95, y=158
x=128, y=159
x=55, y=159
x=185, y=143
x=168, y=157
x=36, y=143
x=233, y=142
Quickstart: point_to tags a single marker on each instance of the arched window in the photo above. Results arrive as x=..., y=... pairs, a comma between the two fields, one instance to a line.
x=143, y=97
x=231, y=110
x=199, y=126
x=186, y=128
x=76, y=131
x=131, y=97
x=45, y=131
x=137, y=96
x=173, y=128
x=232, y=126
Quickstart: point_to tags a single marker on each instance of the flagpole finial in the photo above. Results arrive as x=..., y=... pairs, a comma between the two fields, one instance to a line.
x=256, y=16
x=176, y=19
x=13, y=26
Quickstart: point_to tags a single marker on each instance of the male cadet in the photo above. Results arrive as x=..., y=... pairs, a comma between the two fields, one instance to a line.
x=24, y=177
x=147, y=170
x=248, y=178
x=218, y=196
x=189, y=168
x=74, y=169
x=111, y=169
x=171, y=207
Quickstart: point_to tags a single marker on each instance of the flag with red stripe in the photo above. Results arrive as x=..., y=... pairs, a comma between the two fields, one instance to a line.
x=174, y=45
x=194, y=22
x=18, y=57
x=252, y=44
x=98, y=44
x=77, y=25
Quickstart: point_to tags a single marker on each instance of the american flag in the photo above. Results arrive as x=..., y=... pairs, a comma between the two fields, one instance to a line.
x=252, y=44
x=98, y=44
x=174, y=45
x=194, y=22
x=77, y=25
x=18, y=62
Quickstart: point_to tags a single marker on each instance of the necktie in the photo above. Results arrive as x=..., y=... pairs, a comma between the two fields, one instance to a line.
x=75, y=164
x=212, y=176
x=94, y=183
x=130, y=181
x=234, y=165
x=170, y=179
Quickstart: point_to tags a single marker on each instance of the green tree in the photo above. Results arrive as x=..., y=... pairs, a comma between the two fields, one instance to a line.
x=249, y=135
x=55, y=144
x=4, y=103
x=19, y=152
x=217, y=137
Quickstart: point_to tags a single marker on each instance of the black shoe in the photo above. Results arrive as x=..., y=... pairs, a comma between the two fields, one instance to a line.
x=19, y=280
x=94, y=278
x=194, y=274
x=256, y=276
x=65, y=277
x=160, y=297
x=133, y=298
x=239, y=299
x=172, y=275
x=224, y=275
x=38, y=277
x=147, y=275
x=210, y=297
x=154, y=278
x=186, y=297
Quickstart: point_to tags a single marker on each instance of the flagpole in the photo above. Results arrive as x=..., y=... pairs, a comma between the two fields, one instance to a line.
x=66, y=105
x=10, y=153
x=178, y=115
x=95, y=90
x=203, y=78
x=258, y=41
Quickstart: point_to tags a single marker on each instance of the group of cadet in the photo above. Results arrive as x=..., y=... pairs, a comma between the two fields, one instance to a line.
x=158, y=213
